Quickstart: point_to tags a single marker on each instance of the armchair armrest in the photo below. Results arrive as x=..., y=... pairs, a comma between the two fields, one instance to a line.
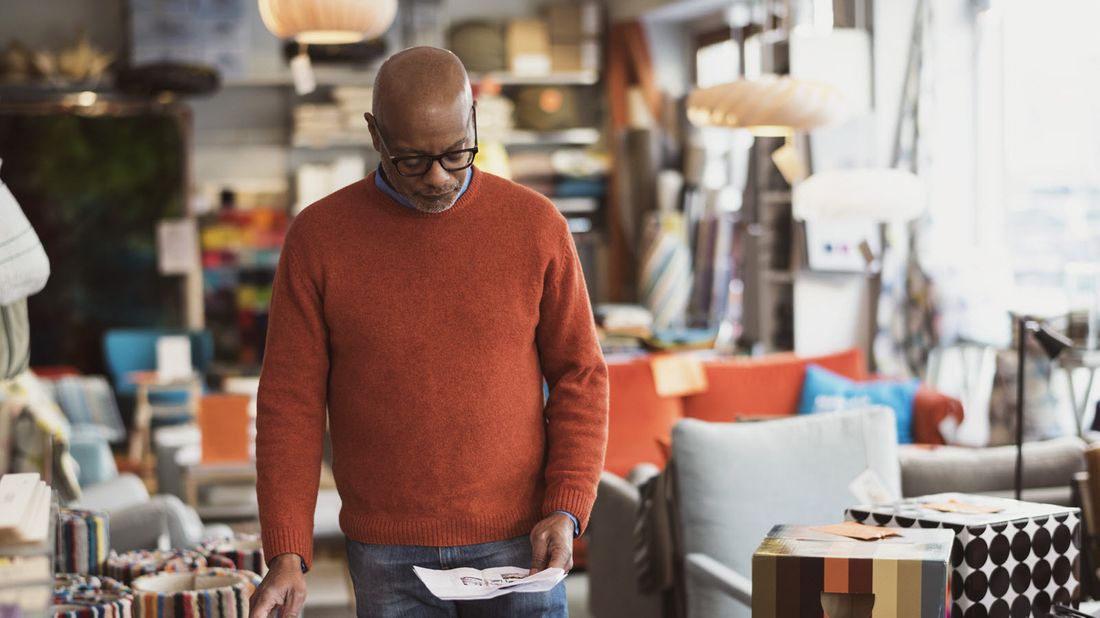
x=705, y=571
x=140, y=526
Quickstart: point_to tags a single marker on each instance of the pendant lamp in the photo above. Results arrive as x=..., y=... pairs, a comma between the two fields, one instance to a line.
x=328, y=22
x=768, y=105
x=873, y=195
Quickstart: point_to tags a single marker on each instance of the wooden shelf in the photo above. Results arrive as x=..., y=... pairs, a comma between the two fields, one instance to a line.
x=579, y=136
x=569, y=78
x=336, y=76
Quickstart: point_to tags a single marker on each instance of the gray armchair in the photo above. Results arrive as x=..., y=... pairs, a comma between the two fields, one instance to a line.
x=614, y=590
x=734, y=481
x=141, y=521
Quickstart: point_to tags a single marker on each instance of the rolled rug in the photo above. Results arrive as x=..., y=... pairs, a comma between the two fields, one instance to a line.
x=241, y=552
x=204, y=593
x=80, y=596
x=131, y=565
x=82, y=541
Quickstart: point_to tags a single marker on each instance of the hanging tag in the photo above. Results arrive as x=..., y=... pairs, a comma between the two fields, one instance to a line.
x=868, y=488
x=677, y=375
x=301, y=71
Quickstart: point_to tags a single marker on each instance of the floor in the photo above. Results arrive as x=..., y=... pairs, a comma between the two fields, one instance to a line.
x=329, y=593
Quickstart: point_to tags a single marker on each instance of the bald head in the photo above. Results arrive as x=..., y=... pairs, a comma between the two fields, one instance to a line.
x=419, y=81
x=423, y=107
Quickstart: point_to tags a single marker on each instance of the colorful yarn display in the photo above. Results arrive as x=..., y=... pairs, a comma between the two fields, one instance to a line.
x=241, y=552
x=204, y=593
x=80, y=596
x=83, y=539
x=131, y=565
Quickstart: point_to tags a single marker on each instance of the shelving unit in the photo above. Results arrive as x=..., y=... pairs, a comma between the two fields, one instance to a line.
x=32, y=595
x=770, y=267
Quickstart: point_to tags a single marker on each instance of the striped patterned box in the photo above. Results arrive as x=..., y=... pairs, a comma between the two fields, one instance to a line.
x=1016, y=562
x=908, y=574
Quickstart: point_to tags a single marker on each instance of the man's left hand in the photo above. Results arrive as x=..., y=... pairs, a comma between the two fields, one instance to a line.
x=552, y=543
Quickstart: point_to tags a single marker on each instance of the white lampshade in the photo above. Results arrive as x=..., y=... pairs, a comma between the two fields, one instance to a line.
x=768, y=105
x=328, y=21
x=878, y=195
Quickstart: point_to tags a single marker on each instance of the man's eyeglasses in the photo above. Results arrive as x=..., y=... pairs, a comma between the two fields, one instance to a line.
x=418, y=165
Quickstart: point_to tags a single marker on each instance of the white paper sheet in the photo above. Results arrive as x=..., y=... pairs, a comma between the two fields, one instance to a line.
x=466, y=584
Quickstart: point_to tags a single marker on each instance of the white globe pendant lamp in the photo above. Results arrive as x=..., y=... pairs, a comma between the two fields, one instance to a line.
x=328, y=22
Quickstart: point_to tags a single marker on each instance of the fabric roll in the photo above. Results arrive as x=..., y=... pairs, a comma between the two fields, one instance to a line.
x=665, y=277
x=82, y=541
x=204, y=593
x=240, y=552
x=131, y=565
x=81, y=596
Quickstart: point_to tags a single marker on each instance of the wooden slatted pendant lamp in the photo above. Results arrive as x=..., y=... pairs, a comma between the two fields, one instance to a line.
x=320, y=22
x=768, y=105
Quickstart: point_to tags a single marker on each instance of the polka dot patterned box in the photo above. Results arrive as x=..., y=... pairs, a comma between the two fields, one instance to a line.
x=1009, y=558
x=800, y=571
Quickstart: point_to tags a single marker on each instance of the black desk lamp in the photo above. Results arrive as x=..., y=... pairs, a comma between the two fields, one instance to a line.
x=1052, y=343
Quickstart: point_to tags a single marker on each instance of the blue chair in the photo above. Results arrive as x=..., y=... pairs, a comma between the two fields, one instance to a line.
x=129, y=350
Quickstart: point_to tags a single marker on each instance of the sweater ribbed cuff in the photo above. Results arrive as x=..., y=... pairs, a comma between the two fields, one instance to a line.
x=578, y=503
x=288, y=541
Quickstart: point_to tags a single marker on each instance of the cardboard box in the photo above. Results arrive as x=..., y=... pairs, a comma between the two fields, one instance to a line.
x=528, y=47
x=581, y=56
x=1024, y=556
x=568, y=22
x=907, y=574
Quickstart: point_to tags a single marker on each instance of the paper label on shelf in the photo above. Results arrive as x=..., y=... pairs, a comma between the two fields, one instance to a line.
x=177, y=246
x=677, y=375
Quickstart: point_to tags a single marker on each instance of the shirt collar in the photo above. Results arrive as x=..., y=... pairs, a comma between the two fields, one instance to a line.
x=383, y=185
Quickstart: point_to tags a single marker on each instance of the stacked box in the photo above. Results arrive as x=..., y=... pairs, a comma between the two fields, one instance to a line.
x=574, y=31
x=907, y=574
x=528, y=47
x=1018, y=561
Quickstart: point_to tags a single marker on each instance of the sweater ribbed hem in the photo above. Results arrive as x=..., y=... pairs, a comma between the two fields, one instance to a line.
x=288, y=541
x=579, y=503
x=388, y=530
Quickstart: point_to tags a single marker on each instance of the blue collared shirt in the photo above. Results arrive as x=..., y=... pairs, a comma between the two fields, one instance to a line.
x=383, y=185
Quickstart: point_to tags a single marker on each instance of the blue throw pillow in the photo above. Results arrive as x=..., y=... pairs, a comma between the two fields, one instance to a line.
x=825, y=391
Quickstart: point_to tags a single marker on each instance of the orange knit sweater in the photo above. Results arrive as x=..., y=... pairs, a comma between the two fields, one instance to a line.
x=428, y=336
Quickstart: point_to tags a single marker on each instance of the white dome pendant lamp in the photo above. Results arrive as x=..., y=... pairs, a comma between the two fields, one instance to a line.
x=324, y=22
x=328, y=22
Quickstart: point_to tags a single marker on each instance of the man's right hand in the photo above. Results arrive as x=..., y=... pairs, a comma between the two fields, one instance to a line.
x=283, y=586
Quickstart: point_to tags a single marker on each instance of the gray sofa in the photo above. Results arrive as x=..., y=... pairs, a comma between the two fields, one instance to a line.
x=1049, y=467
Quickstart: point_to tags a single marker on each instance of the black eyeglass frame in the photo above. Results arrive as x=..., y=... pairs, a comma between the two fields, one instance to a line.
x=433, y=159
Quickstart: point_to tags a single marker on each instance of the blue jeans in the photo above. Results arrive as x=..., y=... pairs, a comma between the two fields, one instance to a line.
x=385, y=584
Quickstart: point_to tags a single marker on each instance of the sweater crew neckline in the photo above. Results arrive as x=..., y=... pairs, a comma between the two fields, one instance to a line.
x=387, y=204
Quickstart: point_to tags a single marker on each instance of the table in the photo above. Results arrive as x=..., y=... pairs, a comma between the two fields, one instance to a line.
x=197, y=475
x=148, y=383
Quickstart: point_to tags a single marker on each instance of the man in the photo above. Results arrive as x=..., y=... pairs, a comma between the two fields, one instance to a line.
x=424, y=305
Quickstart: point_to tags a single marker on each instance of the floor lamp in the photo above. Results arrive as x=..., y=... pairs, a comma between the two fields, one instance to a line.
x=1053, y=343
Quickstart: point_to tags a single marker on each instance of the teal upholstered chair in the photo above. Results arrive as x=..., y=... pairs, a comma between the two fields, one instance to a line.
x=129, y=350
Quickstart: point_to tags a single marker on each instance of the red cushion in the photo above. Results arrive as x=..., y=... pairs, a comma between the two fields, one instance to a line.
x=638, y=418
x=768, y=386
x=930, y=407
